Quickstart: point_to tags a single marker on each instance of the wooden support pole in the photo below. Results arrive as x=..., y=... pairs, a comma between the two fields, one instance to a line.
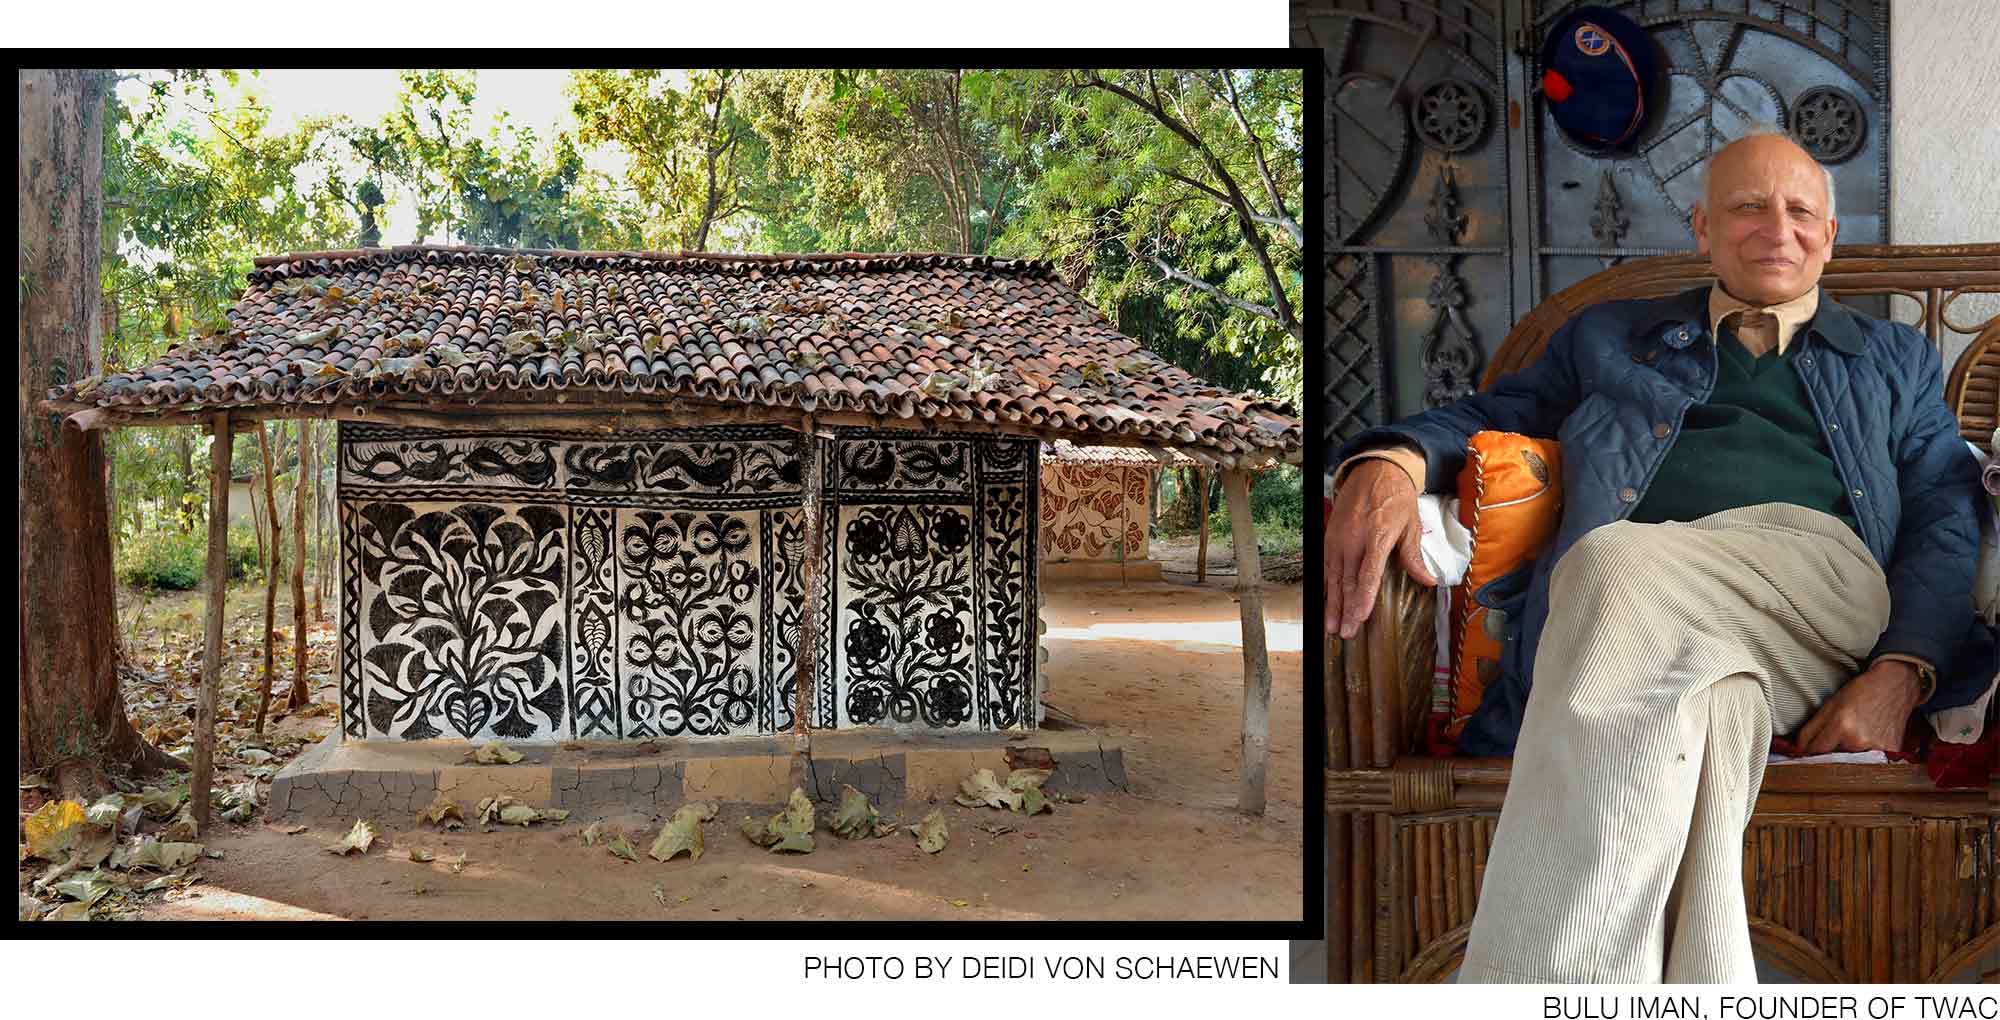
x=218, y=583
x=809, y=572
x=1201, y=525
x=299, y=695
x=1256, y=660
x=270, y=579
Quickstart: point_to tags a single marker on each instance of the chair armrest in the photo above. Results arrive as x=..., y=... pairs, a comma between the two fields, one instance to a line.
x=1379, y=682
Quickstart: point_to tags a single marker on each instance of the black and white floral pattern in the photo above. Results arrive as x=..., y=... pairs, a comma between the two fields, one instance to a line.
x=548, y=586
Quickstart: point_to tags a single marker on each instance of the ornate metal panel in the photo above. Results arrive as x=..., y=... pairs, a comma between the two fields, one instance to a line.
x=1415, y=200
x=1452, y=205
x=552, y=585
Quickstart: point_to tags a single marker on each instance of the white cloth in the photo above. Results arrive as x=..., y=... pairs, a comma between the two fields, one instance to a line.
x=1447, y=549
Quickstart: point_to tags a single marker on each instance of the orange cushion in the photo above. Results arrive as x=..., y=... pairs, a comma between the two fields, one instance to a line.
x=1510, y=498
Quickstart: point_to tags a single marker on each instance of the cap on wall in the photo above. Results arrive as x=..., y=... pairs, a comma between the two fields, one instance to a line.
x=1601, y=76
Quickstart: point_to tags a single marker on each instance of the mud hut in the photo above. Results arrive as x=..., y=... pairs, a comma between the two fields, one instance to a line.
x=1097, y=511
x=620, y=495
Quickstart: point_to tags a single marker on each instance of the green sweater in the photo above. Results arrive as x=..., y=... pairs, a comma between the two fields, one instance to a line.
x=1755, y=441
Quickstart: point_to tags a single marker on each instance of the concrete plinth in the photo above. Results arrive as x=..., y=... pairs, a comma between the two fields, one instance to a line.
x=1131, y=571
x=362, y=778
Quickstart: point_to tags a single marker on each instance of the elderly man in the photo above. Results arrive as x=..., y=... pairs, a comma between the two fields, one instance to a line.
x=1769, y=525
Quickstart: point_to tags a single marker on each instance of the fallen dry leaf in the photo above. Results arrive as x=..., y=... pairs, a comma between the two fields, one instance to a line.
x=981, y=789
x=358, y=839
x=855, y=818
x=441, y=809
x=619, y=847
x=421, y=856
x=53, y=829
x=788, y=831
x=931, y=833
x=495, y=753
x=682, y=835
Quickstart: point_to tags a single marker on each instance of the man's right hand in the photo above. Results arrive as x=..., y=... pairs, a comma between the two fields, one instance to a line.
x=1374, y=512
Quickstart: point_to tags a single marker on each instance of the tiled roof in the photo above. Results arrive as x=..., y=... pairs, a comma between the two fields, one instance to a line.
x=1062, y=451
x=931, y=337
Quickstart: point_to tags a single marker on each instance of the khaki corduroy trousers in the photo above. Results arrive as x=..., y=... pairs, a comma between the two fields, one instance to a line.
x=1671, y=653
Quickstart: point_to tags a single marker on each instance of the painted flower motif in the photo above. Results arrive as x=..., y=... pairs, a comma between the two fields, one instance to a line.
x=867, y=642
x=867, y=539
x=735, y=532
x=865, y=704
x=724, y=626
x=707, y=538
x=949, y=701
x=944, y=632
x=638, y=546
x=681, y=574
x=637, y=602
x=951, y=531
x=742, y=580
x=740, y=631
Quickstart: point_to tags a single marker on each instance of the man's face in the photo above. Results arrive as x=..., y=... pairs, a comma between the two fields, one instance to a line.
x=1763, y=223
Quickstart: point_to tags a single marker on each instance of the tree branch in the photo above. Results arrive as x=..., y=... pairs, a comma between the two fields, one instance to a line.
x=1261, y=311
x=1282, y=218
x=1280, y=309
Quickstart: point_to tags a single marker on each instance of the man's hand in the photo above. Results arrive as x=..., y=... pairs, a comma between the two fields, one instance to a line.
x=1868, y=712
x=1374, y=512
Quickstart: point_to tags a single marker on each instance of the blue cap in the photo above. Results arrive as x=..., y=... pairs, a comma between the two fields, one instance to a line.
x=1600, y=75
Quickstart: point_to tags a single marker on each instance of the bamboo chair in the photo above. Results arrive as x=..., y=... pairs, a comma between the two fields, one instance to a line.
x=1853, y=872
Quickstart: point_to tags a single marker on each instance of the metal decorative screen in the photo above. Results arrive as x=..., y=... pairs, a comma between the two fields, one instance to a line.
x=1453, y=205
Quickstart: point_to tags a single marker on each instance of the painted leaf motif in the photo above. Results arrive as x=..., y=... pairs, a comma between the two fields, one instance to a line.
x=467, y=711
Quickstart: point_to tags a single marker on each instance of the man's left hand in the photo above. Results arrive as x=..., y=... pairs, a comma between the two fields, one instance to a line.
x=1868, y=712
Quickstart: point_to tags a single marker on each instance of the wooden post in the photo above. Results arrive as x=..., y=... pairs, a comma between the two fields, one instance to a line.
x=270, y=579
x=1256, y=661
x=299, y=694
x=218, y=583
x=1201, y=504
x=808, y=657
x=321, y=573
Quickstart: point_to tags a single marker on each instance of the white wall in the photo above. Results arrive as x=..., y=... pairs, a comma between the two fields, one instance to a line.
x=1944, y=155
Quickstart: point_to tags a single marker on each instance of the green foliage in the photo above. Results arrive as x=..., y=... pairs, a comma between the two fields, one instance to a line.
x=1185, y=185
x=694, y=157
x=927, y=160
x=178, y=561
x=513, y=194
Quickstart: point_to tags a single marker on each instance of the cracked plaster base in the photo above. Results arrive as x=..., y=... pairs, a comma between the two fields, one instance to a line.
x=357, y=778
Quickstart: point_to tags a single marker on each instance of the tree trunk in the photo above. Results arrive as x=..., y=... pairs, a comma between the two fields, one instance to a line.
x=256, y=517
x=217, y=588
x=299, y=695
x=71, y=715
x=1201, y=522
x=185, y=442
x=270, y=582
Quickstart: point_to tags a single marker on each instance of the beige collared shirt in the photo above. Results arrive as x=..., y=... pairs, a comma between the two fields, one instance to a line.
x=1765, y=329
x=1760, y=329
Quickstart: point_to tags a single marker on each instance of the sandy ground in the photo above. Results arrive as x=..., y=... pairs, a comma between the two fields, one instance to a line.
x=1155, y=669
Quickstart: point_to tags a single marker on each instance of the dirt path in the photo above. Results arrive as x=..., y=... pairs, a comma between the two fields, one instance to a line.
x=1155, y=669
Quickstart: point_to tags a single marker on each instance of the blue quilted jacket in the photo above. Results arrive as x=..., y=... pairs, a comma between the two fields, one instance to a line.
x=1616, y=372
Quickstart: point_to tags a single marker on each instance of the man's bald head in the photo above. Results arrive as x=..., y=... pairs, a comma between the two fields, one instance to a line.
x=1766, y=218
